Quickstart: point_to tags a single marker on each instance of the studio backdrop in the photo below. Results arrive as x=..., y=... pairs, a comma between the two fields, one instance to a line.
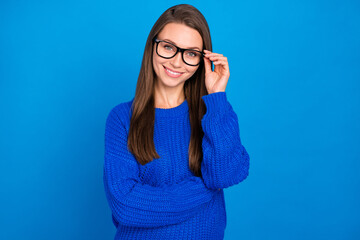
x=294, y=85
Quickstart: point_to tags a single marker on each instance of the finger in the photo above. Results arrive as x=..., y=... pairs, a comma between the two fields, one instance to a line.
x=220, y=62
x=215, y=58
x=207, y=65
x=213, y=54
x=223, y=64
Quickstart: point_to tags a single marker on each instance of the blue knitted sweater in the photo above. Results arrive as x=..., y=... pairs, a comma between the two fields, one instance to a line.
x=163, y=199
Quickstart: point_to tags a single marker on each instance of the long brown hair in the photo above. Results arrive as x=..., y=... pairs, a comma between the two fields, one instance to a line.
x=140, y=138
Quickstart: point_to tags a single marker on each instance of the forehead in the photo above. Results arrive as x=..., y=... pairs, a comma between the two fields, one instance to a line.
x=182, y=35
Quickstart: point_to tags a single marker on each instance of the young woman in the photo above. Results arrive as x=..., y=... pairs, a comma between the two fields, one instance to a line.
x=171, y=150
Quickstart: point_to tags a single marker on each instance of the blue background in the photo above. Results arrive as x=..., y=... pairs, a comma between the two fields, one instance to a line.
x=295, y=71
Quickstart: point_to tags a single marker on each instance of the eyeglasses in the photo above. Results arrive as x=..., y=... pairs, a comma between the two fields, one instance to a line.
x=168, y=50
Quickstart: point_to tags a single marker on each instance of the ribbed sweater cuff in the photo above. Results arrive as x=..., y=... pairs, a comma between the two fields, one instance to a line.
x=215, y=103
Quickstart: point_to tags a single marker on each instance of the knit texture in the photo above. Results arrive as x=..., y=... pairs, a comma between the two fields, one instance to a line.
x=163, y=199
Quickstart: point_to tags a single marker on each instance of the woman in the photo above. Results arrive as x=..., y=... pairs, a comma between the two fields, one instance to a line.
x=171, y=150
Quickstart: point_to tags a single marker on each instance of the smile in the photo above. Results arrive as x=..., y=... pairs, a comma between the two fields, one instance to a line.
x=172, y=73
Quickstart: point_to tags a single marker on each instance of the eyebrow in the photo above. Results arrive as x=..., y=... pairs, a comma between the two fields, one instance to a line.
x=176, y=45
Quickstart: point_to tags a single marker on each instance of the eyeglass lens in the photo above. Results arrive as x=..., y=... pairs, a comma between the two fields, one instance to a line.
x=168, y=50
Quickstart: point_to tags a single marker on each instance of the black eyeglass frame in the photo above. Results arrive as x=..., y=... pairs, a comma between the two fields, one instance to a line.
x=178, y=49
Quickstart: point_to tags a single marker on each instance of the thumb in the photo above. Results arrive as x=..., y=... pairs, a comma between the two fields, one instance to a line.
x=207, y=65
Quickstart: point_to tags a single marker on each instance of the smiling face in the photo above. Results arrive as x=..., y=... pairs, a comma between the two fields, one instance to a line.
x=173, y=72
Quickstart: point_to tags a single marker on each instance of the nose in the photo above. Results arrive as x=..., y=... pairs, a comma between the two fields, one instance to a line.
x=177, y=61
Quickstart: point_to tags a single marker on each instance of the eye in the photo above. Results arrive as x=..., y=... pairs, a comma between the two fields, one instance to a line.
x=192, y=54
x=168, y=47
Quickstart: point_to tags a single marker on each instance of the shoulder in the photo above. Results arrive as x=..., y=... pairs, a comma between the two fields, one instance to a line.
x=121, y=113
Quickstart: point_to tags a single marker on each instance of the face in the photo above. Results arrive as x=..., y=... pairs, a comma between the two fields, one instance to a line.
x=184, y=37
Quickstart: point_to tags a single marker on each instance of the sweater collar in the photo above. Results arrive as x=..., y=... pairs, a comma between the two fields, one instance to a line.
x=172, y=112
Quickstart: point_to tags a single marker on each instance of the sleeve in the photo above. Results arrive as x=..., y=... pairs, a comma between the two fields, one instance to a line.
x=136, y=204
x=225, y=160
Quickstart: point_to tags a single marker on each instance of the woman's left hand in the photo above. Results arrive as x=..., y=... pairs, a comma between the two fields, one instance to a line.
x=216, y=80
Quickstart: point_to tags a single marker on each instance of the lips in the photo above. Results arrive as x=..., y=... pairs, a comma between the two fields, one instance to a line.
x=172, y=70
x=171, y=73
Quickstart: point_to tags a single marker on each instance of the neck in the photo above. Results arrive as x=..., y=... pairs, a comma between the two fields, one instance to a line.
x=168, y=97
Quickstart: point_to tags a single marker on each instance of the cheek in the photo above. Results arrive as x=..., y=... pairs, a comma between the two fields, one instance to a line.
x=157, y=61
x=192, y=70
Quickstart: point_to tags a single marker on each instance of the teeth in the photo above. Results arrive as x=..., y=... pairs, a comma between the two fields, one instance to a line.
x=172, y=72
